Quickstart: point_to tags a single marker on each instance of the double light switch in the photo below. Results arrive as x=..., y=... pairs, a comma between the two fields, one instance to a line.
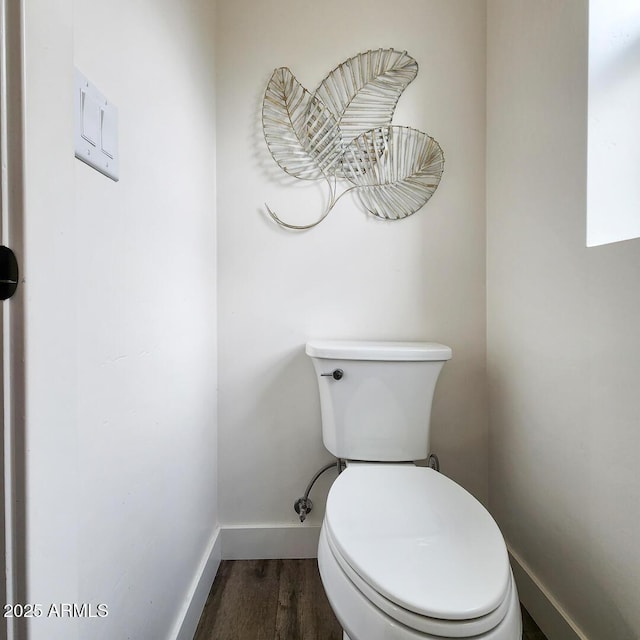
x=96, y=128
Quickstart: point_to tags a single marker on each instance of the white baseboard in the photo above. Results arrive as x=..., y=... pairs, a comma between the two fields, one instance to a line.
x=191, y=611
x=249, y=542
x=547, y=612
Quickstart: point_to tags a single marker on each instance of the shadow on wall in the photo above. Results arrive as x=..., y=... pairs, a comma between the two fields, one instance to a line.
x=552, y=524
x=283, y=421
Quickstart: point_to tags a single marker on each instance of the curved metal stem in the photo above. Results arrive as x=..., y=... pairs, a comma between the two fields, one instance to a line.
x=297, y=227
x=302, y=227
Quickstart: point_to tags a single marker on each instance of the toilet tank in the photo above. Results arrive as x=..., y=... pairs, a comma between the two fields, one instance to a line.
x=375, y=397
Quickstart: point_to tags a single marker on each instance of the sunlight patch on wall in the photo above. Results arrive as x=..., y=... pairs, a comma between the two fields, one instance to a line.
x=613, y=168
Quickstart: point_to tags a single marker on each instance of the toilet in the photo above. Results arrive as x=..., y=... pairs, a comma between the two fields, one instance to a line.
x=405, y=553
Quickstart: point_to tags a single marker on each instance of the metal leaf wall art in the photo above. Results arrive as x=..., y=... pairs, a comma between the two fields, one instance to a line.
x=343, y=131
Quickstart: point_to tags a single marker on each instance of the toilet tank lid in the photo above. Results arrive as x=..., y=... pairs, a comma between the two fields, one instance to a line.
x=378, y=350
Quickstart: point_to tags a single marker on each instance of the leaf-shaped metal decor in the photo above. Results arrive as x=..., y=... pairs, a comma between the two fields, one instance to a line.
x=297, y=127
x=362, y=92
x=343, y=130
x=396, y=170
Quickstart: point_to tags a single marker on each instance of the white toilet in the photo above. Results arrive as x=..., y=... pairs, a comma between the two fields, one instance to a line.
x=405, y=553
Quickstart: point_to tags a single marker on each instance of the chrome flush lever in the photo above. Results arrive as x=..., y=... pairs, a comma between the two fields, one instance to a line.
x=336, y=374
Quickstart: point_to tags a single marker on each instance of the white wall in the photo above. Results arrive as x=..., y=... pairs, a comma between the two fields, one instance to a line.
x=121, y=317
x=50, y=448
x=353, y=276
x=563, y=339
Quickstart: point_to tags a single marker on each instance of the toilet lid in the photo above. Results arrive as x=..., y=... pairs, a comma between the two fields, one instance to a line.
x=419, y=539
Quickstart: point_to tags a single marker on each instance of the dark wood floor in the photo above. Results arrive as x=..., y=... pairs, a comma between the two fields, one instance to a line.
x=278, y=600
x=530, y=630
x=268, y=600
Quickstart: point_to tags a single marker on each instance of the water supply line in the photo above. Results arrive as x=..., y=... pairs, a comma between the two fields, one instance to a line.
x=303, y=506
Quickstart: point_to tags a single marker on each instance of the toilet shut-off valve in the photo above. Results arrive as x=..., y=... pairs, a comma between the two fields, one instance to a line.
x=302, y=507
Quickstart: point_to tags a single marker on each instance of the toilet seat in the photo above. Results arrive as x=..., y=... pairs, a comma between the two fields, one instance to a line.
x=420, y=548
x=414, y=625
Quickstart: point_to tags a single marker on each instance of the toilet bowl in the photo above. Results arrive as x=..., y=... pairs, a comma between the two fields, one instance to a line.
x=405, y=553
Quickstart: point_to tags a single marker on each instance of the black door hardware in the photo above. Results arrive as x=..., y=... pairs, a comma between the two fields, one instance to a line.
x=8, y=273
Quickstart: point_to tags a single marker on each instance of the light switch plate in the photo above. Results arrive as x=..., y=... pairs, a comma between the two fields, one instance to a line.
x=96, y=128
